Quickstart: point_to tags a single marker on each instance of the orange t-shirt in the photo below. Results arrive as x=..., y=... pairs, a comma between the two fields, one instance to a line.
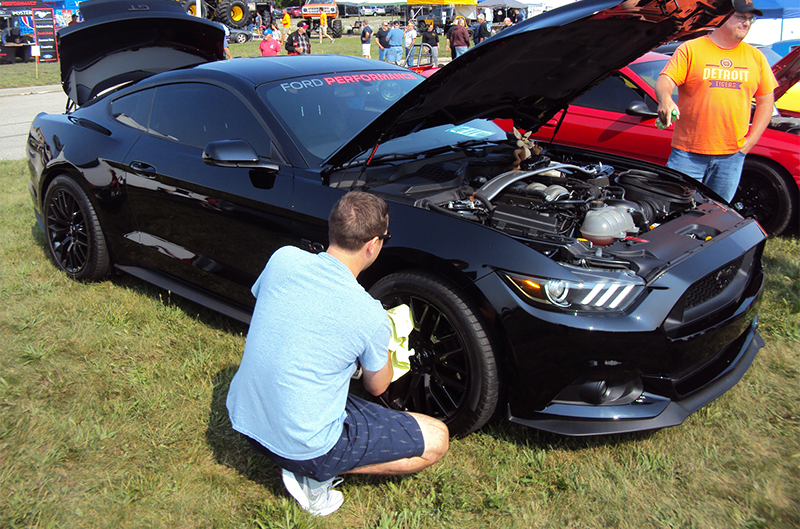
x=715, y=90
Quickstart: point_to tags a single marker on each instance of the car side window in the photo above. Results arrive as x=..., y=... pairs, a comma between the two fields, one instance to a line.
x=197, y=114
x=615, y=94
x=133, y=109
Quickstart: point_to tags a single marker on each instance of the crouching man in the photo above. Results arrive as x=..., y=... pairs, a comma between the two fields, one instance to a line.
x=313, y=322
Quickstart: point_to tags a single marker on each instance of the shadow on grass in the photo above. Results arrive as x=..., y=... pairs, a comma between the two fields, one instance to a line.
x=229, y=447
x=521, y=435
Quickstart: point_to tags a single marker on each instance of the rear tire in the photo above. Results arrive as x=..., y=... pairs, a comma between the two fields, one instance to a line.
x=764, y=195
x=453, y=374
x=74, y=236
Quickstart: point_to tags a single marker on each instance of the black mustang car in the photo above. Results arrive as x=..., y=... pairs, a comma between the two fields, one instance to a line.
x=570, y=291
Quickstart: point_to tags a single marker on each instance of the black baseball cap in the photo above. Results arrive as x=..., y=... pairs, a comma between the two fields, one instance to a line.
x=746, y=6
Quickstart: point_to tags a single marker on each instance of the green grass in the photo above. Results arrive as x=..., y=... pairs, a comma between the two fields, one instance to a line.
x=112, y=414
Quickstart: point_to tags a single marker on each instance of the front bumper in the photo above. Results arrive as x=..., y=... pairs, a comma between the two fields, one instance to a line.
x=650, y=411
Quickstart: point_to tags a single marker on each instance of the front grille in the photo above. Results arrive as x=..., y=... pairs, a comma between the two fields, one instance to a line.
x=713, y=284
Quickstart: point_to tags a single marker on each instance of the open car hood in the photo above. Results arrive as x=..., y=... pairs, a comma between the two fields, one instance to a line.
x=530, y=71
x=120, y=42
x=787, y=72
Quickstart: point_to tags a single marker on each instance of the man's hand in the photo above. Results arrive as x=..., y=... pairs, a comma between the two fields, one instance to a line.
x=761, y=119
x=664, y=87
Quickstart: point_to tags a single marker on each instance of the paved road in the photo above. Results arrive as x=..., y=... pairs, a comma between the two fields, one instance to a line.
x=18, y=107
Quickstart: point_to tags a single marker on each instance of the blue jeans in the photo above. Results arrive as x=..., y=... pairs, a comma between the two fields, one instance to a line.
x=720, y=172
x=461, y=50
x=408, y=52
x=395, y=54
x=382, y=53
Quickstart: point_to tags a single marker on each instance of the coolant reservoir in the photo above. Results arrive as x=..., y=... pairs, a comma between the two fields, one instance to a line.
x=605, y=224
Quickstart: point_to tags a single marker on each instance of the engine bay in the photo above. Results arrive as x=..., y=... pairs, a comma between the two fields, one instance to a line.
x=567, y=205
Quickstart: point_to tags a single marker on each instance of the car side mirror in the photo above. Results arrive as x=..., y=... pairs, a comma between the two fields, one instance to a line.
x=235, y=153
x=640, y=108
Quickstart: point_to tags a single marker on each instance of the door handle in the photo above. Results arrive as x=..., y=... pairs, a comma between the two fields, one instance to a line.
x=144, y=169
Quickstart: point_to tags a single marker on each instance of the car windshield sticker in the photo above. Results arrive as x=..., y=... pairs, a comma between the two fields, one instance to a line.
x=470, y=132
x=346, y=79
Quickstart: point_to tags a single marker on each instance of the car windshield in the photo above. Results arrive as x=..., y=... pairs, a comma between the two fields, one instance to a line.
x=649, y=71
x=322, y=112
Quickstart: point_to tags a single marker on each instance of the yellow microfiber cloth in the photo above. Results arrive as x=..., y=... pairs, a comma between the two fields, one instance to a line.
x=401, y=324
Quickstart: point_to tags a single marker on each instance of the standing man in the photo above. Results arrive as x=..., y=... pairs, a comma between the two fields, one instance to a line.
x=383, y=42
x=312, y=323
x=459, y=38
x=366, y=41
x=395, y=38
x=506, y=24
x=258, y=25
x=298, y=42
x=323, y=27
x=717, y=76
x=518, y=17
x=483, y=32
x=286, y=22
x=409, y=37
x=269, y=47
x=430, y=38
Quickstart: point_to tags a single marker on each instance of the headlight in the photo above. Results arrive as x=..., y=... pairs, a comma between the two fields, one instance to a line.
x=595, y=291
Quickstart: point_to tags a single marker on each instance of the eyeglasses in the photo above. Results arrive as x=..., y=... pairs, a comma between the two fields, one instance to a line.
x=745, y=18
x=385, y=237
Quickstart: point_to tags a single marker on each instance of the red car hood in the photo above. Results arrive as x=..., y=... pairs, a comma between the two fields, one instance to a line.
x=787, y=72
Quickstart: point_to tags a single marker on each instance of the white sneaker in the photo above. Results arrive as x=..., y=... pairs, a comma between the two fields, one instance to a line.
x=314, y=496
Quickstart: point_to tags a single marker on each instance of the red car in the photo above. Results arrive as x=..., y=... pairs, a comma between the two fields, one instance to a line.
x=618, y=116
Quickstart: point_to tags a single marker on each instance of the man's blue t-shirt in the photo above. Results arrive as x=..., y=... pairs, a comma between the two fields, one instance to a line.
x=395, y=37
x=312, y=321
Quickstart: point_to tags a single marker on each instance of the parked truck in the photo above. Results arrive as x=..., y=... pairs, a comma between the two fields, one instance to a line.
x=313, y=8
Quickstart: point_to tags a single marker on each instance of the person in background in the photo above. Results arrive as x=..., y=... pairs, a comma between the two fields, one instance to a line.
x=226, y=41
x=257, y=25
x=73, y=21
x=323, y=27
x=518, y=16
x=409, y=36
x=298, y=42
x=286, y=23
x=383, y=42
x=717, y=76
x=506, y=24
x=395, y=38
x=430, y=38
x=483, y=32
x=269, y=47
x=366, y=41
x=313, y=323
x=459, y=38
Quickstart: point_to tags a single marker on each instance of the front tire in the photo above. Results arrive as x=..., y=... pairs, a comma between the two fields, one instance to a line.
x=764, y=195
x=233, y=13
x=74, y=236
x=453, y=374
x=336, y=29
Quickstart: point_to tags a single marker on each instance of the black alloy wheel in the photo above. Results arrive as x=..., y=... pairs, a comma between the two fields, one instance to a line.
x=763, y=194
x=74, y=236
x=453, y=374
